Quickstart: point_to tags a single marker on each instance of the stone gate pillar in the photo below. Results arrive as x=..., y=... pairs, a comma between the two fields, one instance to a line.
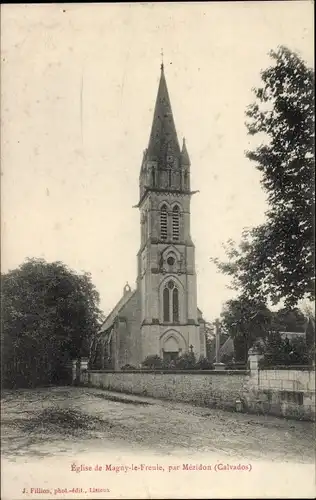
x=254, y=357
x=78, y=366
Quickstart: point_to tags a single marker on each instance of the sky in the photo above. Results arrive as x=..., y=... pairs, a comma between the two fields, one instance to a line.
x=78, y=89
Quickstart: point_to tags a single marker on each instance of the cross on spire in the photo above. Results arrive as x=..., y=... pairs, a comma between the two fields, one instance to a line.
x=161, y=53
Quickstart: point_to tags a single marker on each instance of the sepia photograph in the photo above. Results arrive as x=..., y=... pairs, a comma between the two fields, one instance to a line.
x=157, y=250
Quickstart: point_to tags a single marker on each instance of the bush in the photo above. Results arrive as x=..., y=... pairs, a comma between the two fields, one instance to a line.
x=227, y=358
x=236, y=366
x=128, y=367
x=186, y=361
x=203, y=364
x=153, y=362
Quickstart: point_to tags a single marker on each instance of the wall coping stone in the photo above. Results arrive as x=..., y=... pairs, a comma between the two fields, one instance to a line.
x=297, y=368
x=176, y=372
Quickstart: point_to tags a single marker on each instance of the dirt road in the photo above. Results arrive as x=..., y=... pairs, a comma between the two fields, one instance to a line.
x=55, y=425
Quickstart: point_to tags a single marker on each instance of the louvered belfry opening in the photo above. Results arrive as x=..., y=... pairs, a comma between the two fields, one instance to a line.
x=175, y=223
x=164, y=222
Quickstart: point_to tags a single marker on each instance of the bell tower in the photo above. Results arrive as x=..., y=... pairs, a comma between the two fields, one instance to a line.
x=166, y=260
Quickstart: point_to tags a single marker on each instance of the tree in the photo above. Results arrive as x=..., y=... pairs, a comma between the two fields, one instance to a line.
x=210, y=340
x=288, y=320
x=275, y=261
x=308, y=309
x=246, y=320
x=49, y=312
x=279, y=351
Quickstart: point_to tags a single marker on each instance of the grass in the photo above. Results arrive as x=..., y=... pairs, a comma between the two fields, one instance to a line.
x=60, y=421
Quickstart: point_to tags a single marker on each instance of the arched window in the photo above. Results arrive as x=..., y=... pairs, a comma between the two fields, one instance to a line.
x=175, y=222
x=175, y=305
x=166, y=307
x=171, y=303
x=163, y=222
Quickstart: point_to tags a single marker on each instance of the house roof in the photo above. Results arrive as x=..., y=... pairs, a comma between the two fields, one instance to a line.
x=226, y=348
x=291, y=335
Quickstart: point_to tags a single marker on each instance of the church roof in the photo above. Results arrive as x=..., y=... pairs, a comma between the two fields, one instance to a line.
x=109, y=320
x=163, y=137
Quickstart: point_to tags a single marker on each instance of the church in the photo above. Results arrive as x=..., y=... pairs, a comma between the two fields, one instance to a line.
x=160, y=316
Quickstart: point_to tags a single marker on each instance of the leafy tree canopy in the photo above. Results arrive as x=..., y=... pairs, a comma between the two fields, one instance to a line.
x=48, y=306
x=275, y=261
x=247, y=320
x=279, y=351
x=288, y=320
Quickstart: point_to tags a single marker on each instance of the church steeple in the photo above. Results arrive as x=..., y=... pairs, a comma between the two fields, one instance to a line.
x=164, y=166
x=163, y=139
x=166, y=281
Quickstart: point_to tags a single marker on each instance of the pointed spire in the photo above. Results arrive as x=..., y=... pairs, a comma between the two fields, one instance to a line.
x=163, y=139
x=185, y=159
x=161, y=66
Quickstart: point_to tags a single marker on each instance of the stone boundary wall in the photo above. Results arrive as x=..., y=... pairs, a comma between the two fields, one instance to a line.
x=286, y=393
x=215, y=390
x=290, y=393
